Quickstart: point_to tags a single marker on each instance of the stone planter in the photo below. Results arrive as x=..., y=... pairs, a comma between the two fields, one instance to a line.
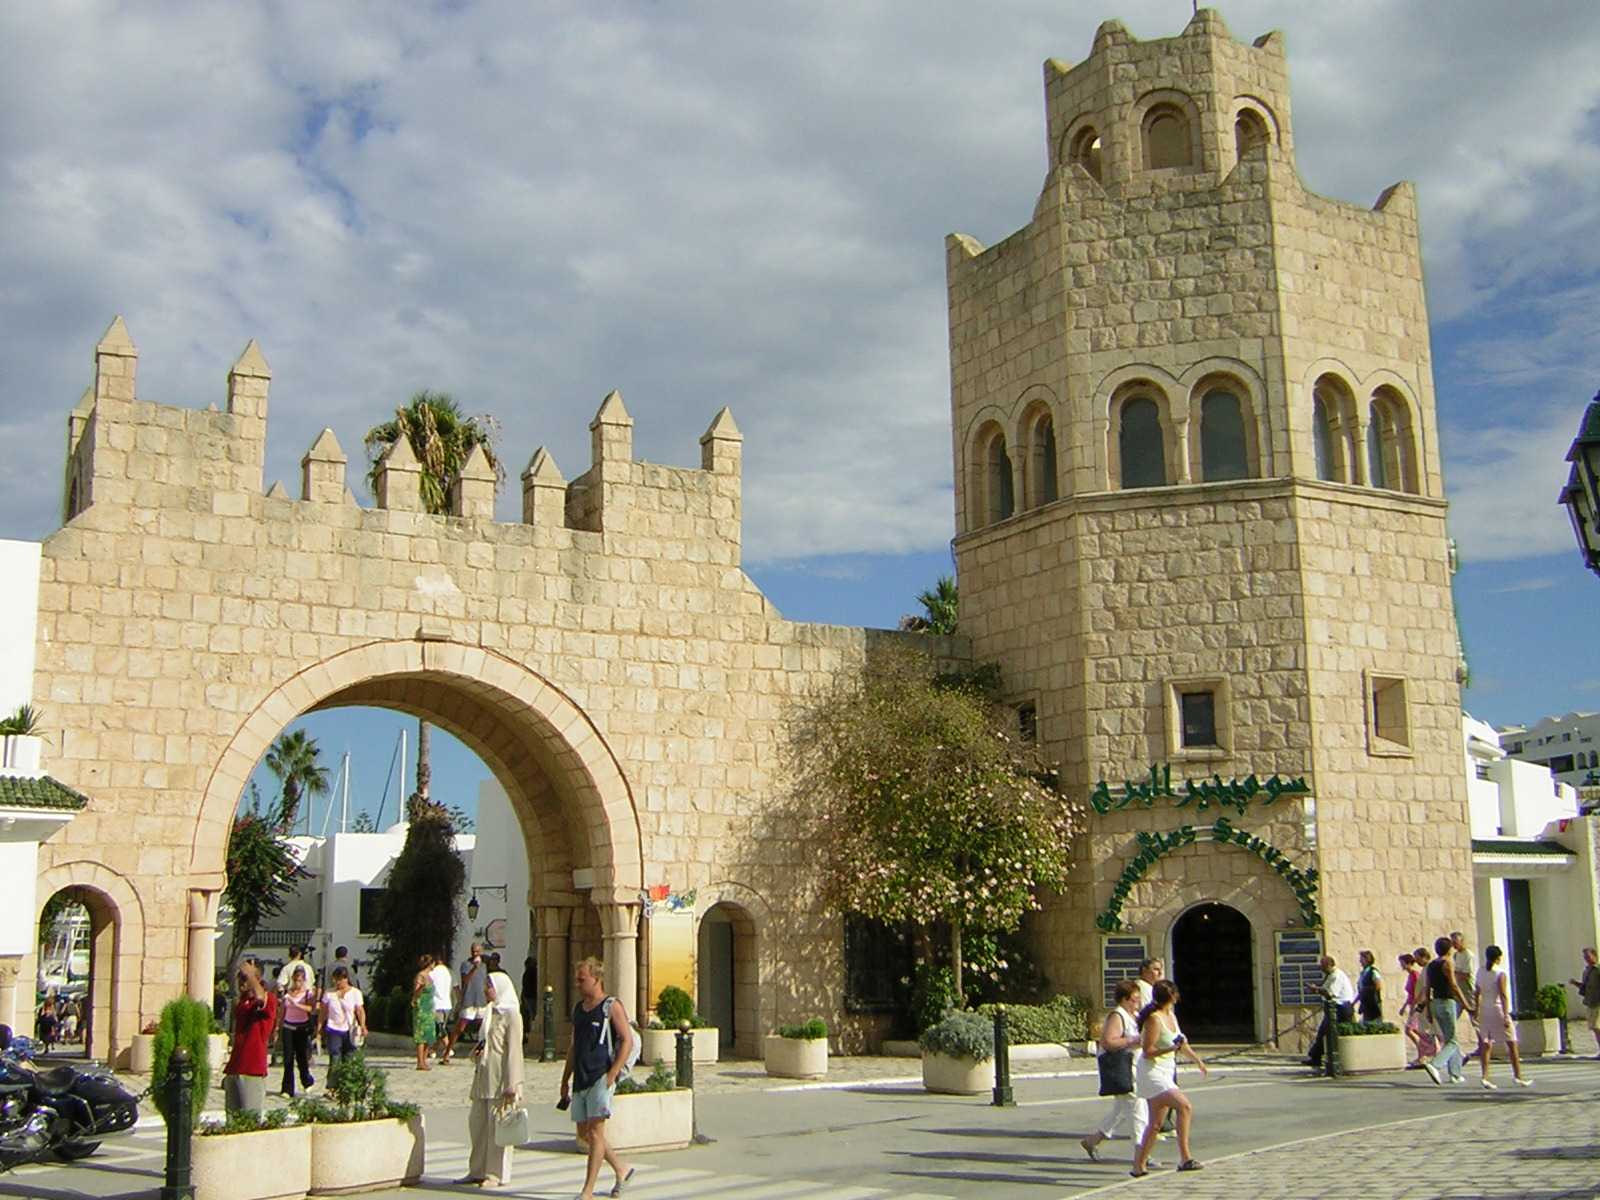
x=1371, y=1052
x=219, y=1055
x=707, y=1047
x=796, y=1058
x=644, y=1121
x=1536, y=1036
x=657, y=1044
x=274, y=1164
x=142, y=1054
x=365, y=1155
x=956, y=1076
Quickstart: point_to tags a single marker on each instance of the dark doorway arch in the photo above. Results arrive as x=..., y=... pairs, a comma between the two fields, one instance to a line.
x=1213, y=964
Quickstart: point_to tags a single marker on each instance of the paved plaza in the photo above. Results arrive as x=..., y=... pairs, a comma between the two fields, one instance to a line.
x=1265, y=1129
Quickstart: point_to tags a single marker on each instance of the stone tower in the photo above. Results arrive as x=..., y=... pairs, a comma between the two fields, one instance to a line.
x=1201, y=525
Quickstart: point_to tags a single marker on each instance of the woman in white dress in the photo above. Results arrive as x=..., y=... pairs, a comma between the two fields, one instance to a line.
x=1494, y=1017
x=1156, y=1076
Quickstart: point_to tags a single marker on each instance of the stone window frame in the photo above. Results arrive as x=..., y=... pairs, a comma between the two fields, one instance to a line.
x=1248, y=110
x=1386, y=698
x=1153, y=105
x=1037, y=467
x=1173, y=689
x=1222, y=381
x=1390, y=420
x=1347, y=461
x=1078, y=146
x=1027, y=710
x=985, y=496
x=1141, y=389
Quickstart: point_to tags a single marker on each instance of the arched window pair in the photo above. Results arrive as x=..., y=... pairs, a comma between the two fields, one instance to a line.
x=1387, y=457
x=1223, y=443
x=993, y=485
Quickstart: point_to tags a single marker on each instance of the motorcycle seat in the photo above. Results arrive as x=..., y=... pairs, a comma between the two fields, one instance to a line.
x=56, y=1080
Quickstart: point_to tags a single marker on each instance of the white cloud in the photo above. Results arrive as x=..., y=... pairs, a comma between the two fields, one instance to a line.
x=1503, y=482
x=738, y=204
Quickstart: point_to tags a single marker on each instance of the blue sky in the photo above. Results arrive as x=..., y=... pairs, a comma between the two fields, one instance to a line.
x=745, y=204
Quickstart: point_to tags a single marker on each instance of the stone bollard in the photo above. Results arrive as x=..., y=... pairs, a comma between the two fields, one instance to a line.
x=1330, y=1063
x=179, y=1086
x=1002, y=1061
x=548, y=1053
x=685, y=1068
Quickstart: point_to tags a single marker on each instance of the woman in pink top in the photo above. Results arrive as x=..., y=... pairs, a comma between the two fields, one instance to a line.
x=343, y=1016
x=296, y=1012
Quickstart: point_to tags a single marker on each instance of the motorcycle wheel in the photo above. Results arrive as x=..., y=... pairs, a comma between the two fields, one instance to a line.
x=73, y=1151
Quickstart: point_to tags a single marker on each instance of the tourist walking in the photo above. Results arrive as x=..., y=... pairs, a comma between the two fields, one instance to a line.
x=1408, y=1003
x=496, y=1079
x=297, y=1018
x=443, y=983
x=1119, y=1052
x=602, y=1040
x=255, y=1014
x=297, y=961
x=424, y=1025
x=342, y=1020
x=1589, y=992
x=1494, y=1017
x=529, y=992
x=1156, y=1076
x=1427, y=1035
x=1445, y=1000
x=474, y=986
x=1464, y=965
x=1336, y=986
x=1369, y=989
x=48, y=1024
x=1151, y=972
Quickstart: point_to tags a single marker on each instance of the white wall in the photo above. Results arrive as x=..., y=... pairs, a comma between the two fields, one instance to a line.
x=19, y=622
x=501, y=858
x=19, y=876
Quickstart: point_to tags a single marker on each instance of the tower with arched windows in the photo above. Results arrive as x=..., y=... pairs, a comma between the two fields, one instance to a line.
x=1201, y=525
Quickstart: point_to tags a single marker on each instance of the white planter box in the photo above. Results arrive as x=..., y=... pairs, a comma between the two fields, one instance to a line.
x=957, y=1076
x=21, y=752
x=274, y=1164
x=796, y=1058
x=707, y=1047
x=646, y=1121
x=1372, y=1052
x=365, y=1155
x=219, y=1055
x=1535, y=1037
x=141, y=1055
x=657, y=1044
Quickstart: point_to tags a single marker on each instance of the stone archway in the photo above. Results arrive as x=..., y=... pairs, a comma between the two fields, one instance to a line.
x=117, y=966
x=732, y=930
x=566, y=786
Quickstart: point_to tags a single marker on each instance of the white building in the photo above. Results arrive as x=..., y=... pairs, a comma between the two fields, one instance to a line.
x=1533, y=865
x=1568, y=745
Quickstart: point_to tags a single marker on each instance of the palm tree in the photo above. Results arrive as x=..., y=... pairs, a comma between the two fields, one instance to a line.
x=940, y=606
x=293, y=758
x=442, y=438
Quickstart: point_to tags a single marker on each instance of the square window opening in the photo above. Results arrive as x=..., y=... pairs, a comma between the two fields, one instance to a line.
x=1391, y=725
x=1199, y=713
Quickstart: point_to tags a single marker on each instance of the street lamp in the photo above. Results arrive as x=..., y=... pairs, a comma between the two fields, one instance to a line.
x=1582, y=492
x=473, y=906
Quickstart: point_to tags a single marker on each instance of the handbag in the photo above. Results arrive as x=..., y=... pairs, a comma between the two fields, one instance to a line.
x=1116, y=1069
x=511, y=1127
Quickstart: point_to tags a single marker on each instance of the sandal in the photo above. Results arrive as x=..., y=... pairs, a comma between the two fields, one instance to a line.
x=1138, y=1174
x=1189, y=1164
x=1090, y=1149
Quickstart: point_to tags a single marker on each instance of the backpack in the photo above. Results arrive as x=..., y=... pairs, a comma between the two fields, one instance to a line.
x=605, y=1040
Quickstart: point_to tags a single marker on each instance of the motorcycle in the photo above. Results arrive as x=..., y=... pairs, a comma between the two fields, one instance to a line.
x=63, y=1112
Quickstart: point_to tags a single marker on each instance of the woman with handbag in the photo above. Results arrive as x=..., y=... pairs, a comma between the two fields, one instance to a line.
x=1119, y=1043
x=497, y=1121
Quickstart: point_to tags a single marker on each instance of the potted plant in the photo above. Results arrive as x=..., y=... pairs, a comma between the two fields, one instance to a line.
x=1539, y=1032
x=251, y=1156
x=141, y=1054
x=798, y=1051
x=20, y=744
x=360, y=1139
x=650, y=1114
x=1369, y=1046
x=958, y=1055
x=659, y=1037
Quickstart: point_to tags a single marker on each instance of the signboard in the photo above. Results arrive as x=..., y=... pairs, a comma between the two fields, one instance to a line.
x=1120, y=956
x=1299, y=954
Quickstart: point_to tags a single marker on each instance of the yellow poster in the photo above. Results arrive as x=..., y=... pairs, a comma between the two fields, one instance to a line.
x=672, y=949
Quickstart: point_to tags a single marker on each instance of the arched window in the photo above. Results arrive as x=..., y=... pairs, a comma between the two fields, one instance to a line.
x=1391, y=450
x=1002, y=503
x=1223, y=450
x=1249, y=131
x=1377, y=472
x=1140, y=444
x=1166, y=138
x=1322, y=439
x=1042, y=461
x=1086, y=151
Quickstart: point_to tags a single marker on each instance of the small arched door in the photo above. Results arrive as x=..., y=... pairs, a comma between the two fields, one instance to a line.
x=1213, y=964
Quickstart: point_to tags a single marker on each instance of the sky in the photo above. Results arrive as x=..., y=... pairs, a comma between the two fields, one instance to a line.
x=727, y=203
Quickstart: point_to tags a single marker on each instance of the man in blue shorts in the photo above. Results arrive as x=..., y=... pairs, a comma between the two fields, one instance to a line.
x=602, y=1040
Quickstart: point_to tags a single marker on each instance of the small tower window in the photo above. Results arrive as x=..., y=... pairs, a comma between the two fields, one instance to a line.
x=1223, y=453
x=1042, y=461
x=1166, y=138
x=1249, y=131
x=1086, y=151
x=1391, y=451
x=1140, y=444
x=1333, y=431
x=1322, y=439
x=1377, y=472
x=1002, y=501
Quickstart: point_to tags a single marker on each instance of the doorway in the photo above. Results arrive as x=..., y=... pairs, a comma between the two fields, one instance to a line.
x=1519, y=930
x=716, y=978
x=1213, y=964
x=70, y=984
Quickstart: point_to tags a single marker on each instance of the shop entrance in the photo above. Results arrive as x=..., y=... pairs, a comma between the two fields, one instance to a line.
x=1213, y=964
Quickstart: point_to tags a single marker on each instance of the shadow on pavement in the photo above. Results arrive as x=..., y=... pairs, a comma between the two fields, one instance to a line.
x=1577, y=1153
x=1001, y=1131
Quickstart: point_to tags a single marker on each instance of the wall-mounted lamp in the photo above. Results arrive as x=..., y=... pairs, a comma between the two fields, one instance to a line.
x=473, y=906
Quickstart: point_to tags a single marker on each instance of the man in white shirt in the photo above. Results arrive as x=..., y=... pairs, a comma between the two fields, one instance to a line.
x=1150, y=974
x=442, y=983
x=1463, y=964
x=1337, y=987
x=297, y=959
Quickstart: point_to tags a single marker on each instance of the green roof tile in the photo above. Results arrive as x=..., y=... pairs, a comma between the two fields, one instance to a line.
x=20, y=791
x=1518, y=846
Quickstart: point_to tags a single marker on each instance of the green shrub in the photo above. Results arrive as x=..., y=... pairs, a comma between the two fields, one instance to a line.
x=807, y=1031
x=184, y=1022
x=661, y=1079
x=1551, y=1001
x=961, y=1035
x=674, y=1005
x=245, y=1120
x=1062, y=1019
x=399, y=1013
x=933, y=994
x=1362, y=1029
